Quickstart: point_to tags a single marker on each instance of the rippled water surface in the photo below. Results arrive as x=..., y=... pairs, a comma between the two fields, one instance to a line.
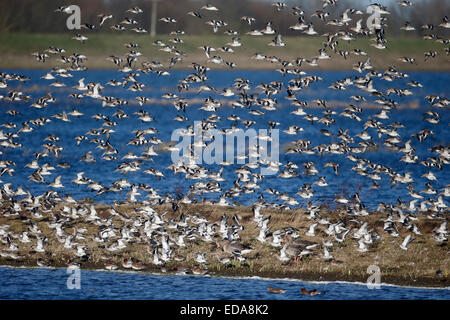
x=21, y=283
x=103, y=171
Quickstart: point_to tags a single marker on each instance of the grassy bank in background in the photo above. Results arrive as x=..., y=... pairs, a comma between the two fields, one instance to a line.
x=16, y=50
x=415, y=267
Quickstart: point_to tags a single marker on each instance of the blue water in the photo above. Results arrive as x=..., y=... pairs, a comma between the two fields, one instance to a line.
x=346, y=183
x=52, y=284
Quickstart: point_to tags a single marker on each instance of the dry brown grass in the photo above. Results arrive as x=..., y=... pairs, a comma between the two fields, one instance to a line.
x=416, y=266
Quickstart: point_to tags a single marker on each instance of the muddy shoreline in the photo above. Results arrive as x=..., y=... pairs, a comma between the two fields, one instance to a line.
x=426, y=263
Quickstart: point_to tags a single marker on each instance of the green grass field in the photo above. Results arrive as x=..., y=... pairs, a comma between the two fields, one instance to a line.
x=16, y=50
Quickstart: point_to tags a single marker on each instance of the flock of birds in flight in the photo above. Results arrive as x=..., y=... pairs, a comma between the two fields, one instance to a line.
x=162, y=235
